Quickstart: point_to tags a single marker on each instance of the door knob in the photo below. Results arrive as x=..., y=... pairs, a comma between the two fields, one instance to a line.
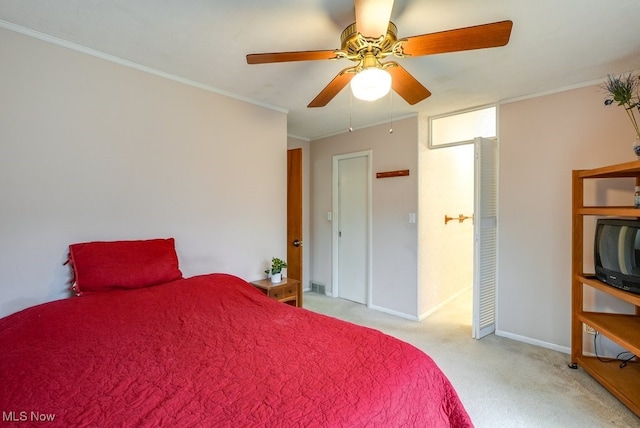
x=297, y=243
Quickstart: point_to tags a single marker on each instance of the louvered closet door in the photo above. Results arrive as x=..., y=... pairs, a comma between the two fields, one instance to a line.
x=485, y=237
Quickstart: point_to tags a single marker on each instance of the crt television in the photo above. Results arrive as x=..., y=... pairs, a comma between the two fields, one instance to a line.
x=617, y=253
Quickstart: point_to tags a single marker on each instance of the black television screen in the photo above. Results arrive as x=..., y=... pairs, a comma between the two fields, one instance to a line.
x=617, y=253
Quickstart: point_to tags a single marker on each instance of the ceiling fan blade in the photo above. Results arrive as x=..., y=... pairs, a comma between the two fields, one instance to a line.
x=372, y=17
x=331, y=90
x=406, y=85
x=264, y=58
x=462, y=39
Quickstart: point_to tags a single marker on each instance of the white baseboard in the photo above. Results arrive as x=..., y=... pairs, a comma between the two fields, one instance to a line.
x=519, y=338
x=392, y=312
x=443, y=304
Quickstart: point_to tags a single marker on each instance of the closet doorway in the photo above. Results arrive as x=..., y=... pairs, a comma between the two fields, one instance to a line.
x=352, y=226
x=458, y=262
x=447, y=245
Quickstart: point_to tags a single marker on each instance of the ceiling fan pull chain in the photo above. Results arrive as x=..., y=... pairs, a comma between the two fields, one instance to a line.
x=350, y=111
x=391, y=111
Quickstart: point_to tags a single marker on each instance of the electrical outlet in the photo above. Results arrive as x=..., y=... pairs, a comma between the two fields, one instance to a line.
x=589, y=330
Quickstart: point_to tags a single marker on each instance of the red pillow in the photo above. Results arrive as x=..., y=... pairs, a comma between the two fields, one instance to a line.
x=105, y=266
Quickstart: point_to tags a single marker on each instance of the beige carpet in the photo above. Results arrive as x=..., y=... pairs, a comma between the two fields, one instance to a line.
x=502, y=382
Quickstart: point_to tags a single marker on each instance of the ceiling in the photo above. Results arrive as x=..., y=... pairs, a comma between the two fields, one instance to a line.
x=554, y=44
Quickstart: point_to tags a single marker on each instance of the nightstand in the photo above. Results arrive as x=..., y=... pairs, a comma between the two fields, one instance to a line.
x=287, y=291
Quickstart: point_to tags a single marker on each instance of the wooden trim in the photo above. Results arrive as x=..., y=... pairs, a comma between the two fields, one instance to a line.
x=627, y=169
x=388, y=174
x=577, y=254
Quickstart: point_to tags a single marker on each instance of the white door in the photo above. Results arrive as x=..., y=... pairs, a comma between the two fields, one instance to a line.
x=351, y=230
x=485, y=237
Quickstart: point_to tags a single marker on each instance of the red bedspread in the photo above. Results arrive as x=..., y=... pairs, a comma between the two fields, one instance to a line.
x=211, y=351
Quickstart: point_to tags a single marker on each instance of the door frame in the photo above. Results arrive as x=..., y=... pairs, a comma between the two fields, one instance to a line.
x=335, y=208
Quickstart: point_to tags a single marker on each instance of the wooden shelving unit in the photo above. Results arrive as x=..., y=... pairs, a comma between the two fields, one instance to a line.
x=623, y=329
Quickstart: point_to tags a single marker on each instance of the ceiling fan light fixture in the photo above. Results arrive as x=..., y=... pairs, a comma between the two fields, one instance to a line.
x=371, y=84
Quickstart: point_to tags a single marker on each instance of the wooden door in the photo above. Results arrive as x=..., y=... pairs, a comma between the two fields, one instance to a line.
x=294, y=214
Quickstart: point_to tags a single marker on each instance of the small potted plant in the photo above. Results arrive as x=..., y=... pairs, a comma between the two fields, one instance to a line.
x=276, y=269
x=623, y=91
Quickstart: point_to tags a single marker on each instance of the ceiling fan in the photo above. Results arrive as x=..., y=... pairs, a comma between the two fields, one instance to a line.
x=372, y=38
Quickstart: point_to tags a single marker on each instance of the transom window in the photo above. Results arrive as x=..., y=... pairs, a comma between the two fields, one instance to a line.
x=462, y=127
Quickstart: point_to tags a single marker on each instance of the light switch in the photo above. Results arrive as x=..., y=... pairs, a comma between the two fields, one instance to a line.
x=412, y=218
x=329, y=216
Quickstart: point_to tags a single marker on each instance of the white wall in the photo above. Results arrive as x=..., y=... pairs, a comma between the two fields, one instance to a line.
x=92, y=150
x=395, y=243
x=541, y=141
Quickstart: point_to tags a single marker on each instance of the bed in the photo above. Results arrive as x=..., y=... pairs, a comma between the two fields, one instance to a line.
x=209, y=350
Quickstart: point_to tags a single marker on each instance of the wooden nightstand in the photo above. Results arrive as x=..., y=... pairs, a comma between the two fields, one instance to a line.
x=287, y=291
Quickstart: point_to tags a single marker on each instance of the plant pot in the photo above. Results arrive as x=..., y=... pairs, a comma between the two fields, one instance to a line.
x=276, y=277
x=636, y=146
